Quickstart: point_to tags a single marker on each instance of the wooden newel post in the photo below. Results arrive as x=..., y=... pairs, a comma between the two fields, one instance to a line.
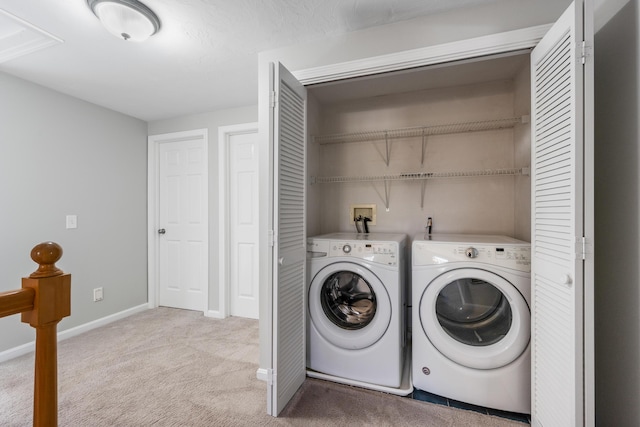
x=52, y=302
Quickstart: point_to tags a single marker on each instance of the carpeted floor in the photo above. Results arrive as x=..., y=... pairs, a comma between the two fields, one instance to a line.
x=168, y=367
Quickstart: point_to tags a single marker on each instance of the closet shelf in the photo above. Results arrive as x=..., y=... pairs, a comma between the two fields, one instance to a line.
x=419, y=176
x=382, y=135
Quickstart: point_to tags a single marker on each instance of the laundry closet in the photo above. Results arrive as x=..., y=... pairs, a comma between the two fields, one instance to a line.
x=420, y=143
x=450, y=142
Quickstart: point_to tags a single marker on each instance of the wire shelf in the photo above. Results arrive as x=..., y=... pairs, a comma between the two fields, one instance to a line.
x=382, y=135
x=420, y=176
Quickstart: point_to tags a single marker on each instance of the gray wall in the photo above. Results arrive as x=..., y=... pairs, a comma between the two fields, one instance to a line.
x=617, y=165
x=210, y=121
x=59, y=156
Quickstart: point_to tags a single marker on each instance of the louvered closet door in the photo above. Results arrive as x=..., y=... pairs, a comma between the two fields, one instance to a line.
x=289, y=359
x=558, y=218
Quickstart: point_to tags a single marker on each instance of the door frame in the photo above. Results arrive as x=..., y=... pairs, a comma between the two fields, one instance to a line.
x=153, y=206
x=492, y=44
x=465, y=49
x=224, y=138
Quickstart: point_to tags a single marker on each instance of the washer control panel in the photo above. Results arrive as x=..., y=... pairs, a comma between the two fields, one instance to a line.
x=378, y=252
x=471, y=252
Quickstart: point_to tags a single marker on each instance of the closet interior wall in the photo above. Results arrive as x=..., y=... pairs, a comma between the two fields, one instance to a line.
x=482, y=205
x=314, y=195
x=522, y=144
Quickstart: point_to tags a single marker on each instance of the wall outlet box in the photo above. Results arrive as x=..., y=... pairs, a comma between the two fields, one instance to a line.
x=72, y=221
x=97, y=295
x=365, y=211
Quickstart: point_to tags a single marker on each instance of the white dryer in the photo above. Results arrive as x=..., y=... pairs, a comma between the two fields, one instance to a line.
x=471, y=319
x=356, y=306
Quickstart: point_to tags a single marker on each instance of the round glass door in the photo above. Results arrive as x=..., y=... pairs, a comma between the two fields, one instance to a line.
x=473, y=312
x=348, y=300
x=476, y=318
x=348, y=305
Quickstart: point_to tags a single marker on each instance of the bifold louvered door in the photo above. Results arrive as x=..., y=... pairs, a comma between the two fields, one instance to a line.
x=289, y=252
x=558, y=223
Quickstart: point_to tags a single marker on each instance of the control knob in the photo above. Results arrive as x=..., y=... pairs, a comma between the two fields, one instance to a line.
x=346, y=249
x=471, y=252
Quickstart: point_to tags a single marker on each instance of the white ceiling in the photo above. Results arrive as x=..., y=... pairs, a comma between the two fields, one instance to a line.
x=204, y=57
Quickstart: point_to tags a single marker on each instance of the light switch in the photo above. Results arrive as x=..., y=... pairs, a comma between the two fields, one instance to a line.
x=72, y=221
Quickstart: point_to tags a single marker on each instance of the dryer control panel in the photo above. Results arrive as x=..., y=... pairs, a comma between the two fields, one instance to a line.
x=378, y=252
x=517, y=257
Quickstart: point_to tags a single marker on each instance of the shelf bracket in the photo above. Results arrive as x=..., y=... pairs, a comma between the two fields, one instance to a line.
x=424, y=186
x=386, y=155
x=424, y=147
x=387, y=190
x=387, y=144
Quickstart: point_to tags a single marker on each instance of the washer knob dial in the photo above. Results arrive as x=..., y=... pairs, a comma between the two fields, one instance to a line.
x=471, y=252
x=346, y=249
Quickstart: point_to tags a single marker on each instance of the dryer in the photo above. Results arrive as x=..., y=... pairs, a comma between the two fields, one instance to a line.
x=471, y=319
x=356, y=306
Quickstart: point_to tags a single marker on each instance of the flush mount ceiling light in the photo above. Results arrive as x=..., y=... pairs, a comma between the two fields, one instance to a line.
x=126, y=19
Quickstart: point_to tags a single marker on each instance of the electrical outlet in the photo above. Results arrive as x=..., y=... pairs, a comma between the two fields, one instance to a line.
x=72, y=221
x=97, y=295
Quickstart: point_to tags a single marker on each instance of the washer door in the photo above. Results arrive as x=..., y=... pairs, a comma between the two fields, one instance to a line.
x=475, y=318
x=349, y=306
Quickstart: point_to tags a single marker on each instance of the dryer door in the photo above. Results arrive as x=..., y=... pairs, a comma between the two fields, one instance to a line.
x=476, y=318
x=349, y=305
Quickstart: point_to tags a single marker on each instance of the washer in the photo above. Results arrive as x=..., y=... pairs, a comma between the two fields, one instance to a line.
x=471, y=319
x=357, y=305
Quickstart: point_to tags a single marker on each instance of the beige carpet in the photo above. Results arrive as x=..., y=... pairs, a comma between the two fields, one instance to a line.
x=168, y=367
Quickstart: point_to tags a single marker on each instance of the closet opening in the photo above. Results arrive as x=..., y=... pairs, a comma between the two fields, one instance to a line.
x=449, y=142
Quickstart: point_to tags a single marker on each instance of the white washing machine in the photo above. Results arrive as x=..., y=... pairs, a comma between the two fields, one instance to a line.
x=471, y=319
x=357, y=305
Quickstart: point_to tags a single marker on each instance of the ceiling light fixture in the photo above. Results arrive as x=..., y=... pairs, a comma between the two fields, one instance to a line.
x=126, y=19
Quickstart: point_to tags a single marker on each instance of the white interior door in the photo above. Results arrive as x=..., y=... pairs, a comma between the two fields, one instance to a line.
x=182, y=221
x=561, y=216
x=287, y=145
x=243, y=225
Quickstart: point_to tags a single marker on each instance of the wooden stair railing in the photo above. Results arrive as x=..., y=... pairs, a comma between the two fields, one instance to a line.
x=44, y=300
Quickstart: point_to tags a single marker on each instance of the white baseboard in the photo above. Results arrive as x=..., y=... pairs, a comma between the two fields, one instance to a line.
x=263, y=374
x=213, y=313
x=14, y=352
x=72, y=332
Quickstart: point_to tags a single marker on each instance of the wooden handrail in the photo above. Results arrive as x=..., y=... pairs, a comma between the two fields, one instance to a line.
x=44, y=300
x=14, y=302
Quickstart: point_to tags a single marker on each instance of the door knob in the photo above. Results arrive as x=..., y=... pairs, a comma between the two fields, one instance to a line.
x=565, y=279
x=162, y=231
